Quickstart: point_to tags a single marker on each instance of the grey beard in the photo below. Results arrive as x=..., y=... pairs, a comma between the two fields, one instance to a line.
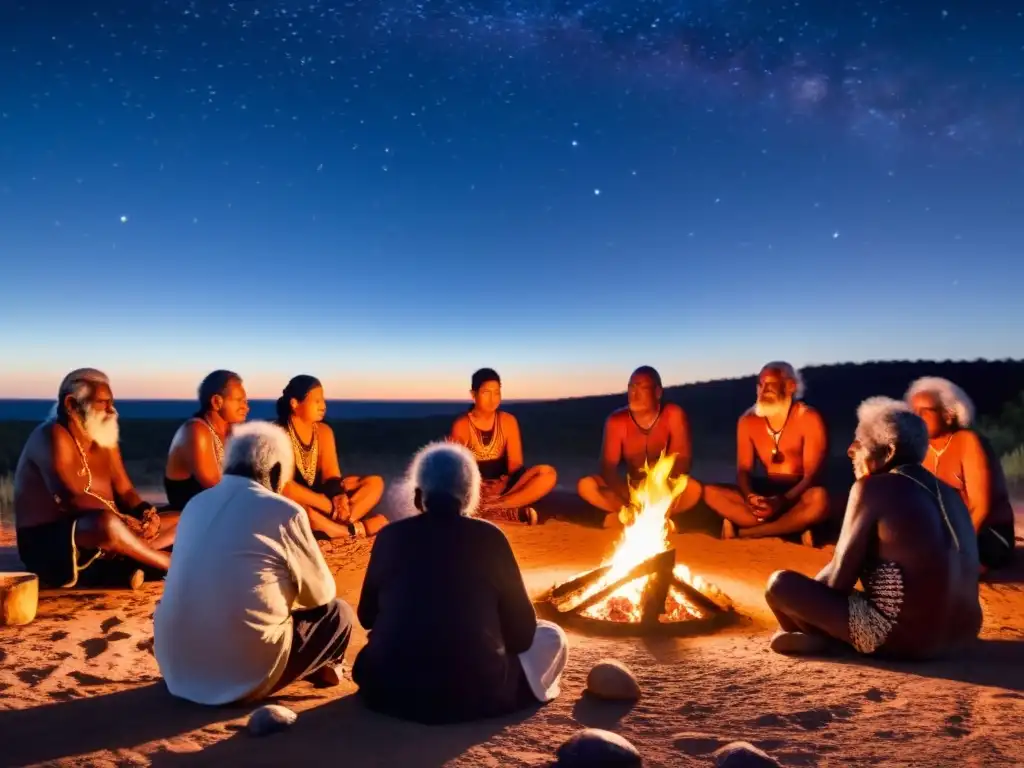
x=768, y=410
x=103, y=430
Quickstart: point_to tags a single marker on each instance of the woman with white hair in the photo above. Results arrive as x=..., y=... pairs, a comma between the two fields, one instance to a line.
x=906, y=536
x=962, y=458
x=453, y=635
x=249, y=605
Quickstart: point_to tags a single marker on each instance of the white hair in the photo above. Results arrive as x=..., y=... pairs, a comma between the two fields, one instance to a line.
x=788, y=372
x=253, y=450
x=953, y=401
x=80, y=384
x=449, y=468
x=888, y=426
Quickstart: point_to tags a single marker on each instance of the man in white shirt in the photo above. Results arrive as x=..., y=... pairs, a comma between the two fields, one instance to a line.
x=249, y=604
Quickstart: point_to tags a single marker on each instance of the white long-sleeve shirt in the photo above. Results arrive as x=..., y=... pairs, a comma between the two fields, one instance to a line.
x=244, y=559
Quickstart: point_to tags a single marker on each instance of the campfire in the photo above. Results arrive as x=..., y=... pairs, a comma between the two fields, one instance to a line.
x=641, y=589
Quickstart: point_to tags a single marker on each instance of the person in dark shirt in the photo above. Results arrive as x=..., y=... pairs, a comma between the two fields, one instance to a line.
x=453, y=635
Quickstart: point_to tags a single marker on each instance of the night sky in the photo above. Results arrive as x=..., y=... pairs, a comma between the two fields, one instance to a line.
x=391, y=194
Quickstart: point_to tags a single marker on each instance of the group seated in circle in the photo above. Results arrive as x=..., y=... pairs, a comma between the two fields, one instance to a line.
x=75, y=505
x=453, y=635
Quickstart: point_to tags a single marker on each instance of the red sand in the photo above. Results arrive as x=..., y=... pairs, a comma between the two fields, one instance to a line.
x=79, y=688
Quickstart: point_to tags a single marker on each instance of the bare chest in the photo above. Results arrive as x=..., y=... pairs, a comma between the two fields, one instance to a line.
x=782, y=451
x=639, y=445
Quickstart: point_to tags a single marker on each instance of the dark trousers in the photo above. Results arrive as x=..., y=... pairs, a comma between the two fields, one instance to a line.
x=320, y=636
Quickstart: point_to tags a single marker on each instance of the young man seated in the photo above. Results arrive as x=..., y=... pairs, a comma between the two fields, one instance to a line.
x=452, y=632
x=907, y=537
x=963, y=459
x=637, y=435
x=249, y=605
x=73, y=499
x=510, y=488
x=789, y=438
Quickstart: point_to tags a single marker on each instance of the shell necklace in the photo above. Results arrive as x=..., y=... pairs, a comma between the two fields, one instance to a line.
x=305, y=455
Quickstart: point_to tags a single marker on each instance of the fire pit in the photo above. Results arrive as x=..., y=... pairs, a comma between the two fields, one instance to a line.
x=641, y=590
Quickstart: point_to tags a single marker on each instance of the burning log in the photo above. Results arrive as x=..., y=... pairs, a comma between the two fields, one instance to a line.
x=640, y=588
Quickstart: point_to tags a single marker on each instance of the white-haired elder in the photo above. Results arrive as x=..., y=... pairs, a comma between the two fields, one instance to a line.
x=249, y=605
x=452, y=632
x=73, y=499
x=962, y=458
x=907, y=537
x=789, y=439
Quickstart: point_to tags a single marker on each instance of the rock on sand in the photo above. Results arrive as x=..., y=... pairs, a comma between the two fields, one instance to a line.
x=271, y=719
x=740, y=754
x=613, y=680
x=594, y=747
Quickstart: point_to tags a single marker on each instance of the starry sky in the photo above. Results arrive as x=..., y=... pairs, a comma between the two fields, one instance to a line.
x=390, y=194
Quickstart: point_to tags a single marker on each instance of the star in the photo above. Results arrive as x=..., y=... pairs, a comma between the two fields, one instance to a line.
x=597, y=191
x=124, y=219
x=835, y=235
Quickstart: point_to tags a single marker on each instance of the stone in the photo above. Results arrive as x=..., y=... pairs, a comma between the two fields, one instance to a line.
x=597, y=749
x=271, y=719
x=612, y=680
x=19, y=598
x=741, y=754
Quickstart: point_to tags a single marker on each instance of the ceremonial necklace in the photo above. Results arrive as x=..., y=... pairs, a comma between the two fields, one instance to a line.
x=486, y=451
x=218, y=444
x=938, y=454
x=646, y=431
x=87, y=474
x=305, y=456
x=778, y=457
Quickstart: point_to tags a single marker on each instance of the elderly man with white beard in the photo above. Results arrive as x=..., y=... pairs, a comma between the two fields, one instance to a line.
x=73, y=499
x=789, y=439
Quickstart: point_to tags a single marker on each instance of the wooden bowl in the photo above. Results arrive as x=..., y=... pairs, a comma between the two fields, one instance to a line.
x=19, y=598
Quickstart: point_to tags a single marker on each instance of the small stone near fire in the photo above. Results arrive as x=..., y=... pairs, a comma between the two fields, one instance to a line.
x=741, y=754
x=271, y=719
x=594, y=747
x=613, y=680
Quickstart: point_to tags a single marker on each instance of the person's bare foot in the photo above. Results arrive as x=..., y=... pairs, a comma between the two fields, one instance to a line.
x=728, y=529
x=328, y=676
x=799, y=644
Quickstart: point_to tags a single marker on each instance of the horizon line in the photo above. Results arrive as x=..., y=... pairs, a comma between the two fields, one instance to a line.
x=696, y=382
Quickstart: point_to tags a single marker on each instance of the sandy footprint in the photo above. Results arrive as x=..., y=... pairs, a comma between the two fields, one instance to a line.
x=94, y=646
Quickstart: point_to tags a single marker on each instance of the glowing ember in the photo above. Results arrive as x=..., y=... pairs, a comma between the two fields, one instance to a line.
x=644, y=537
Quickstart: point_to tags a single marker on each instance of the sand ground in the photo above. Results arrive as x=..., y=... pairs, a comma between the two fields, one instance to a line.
x=78, y=686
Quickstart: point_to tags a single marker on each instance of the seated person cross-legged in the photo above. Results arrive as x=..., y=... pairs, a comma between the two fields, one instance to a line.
x=907, y=537
x=338, y=506
x=510, y=488
x=789, y=439
x=962, y=458
x=74, y=504
x=453, y=636
x=637, y=435
x=196, y=456
x=249, y=605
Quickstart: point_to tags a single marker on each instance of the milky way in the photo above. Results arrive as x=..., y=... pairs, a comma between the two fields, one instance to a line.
x=467, y=176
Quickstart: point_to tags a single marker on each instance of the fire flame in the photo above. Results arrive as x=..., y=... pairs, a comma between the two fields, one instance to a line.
x=647, y=526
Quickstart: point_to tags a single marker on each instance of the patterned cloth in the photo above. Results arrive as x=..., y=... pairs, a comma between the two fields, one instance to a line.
x=873, y=613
